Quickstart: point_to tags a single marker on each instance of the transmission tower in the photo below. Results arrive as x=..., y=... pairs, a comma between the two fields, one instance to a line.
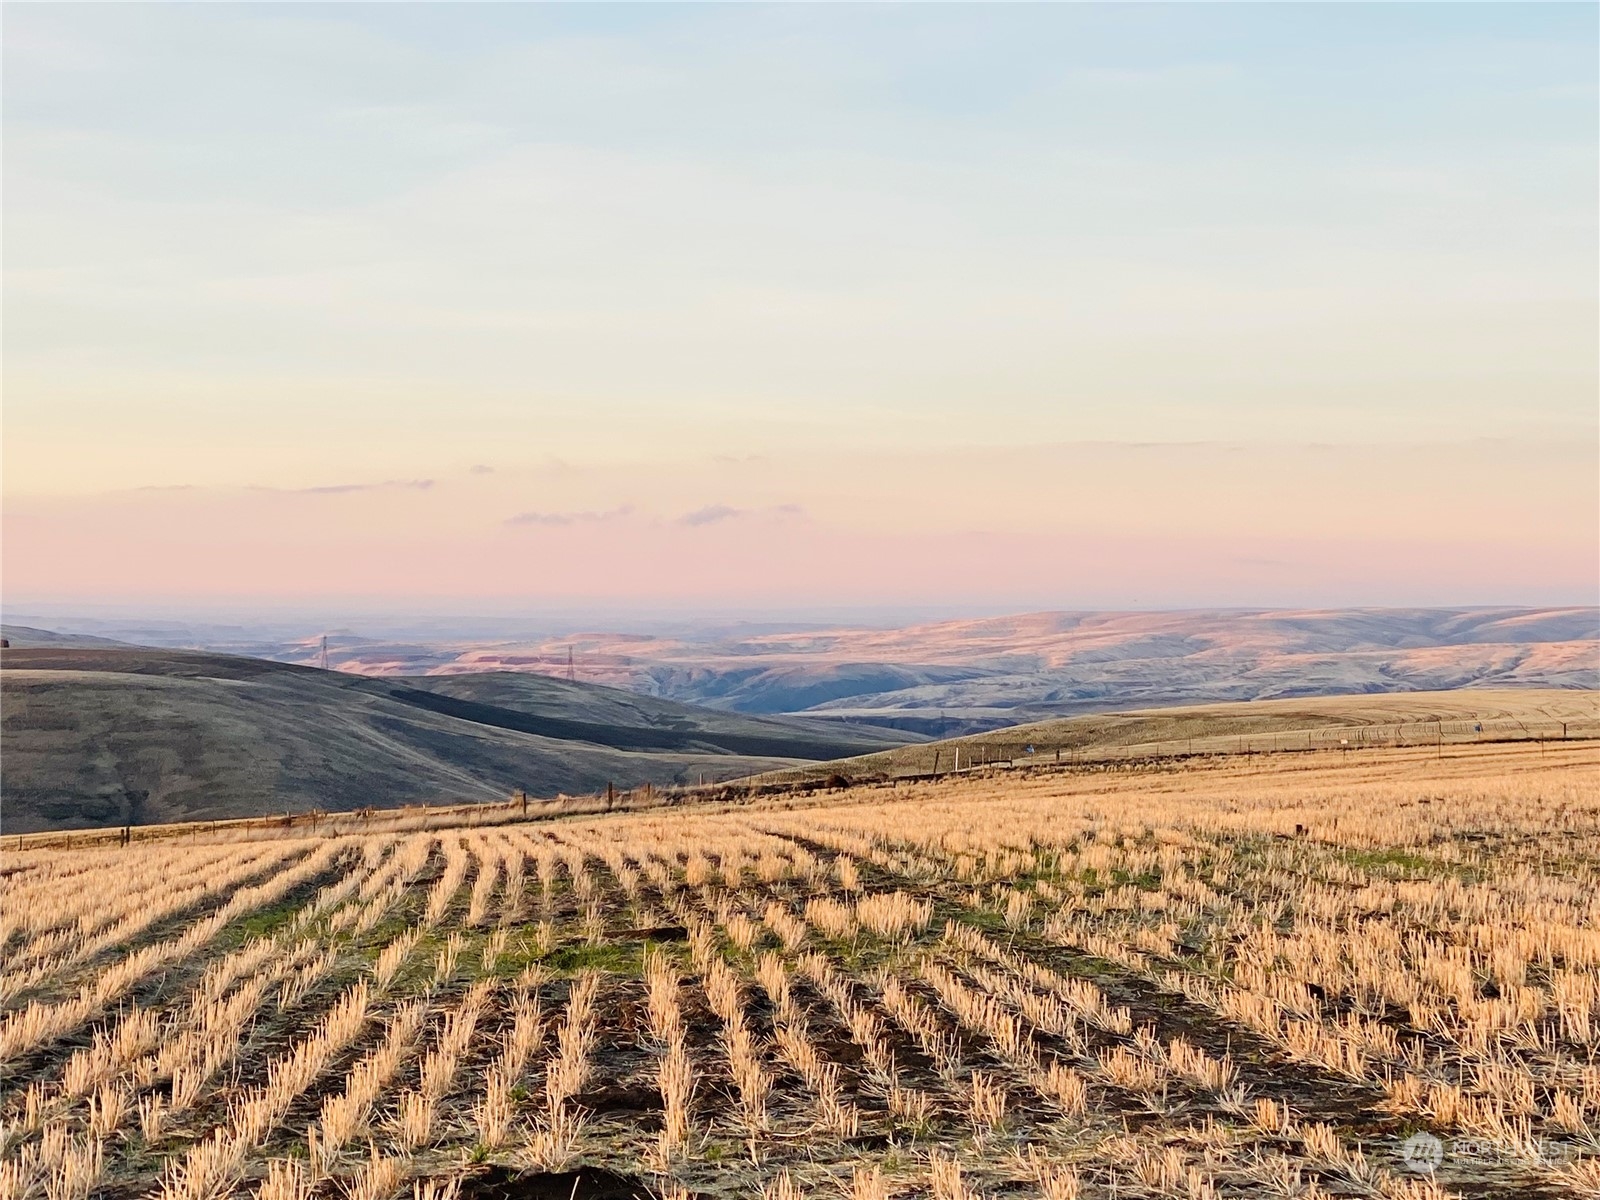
x=322, y=660
x=572, y=675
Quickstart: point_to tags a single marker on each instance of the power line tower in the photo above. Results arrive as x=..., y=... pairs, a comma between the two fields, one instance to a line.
x=572, y=676
x=322, y=659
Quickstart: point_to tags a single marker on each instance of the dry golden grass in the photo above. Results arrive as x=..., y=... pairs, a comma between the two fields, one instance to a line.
x=1235, y=978
x=1466, y=716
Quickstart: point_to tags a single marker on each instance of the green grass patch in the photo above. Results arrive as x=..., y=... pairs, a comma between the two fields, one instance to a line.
x=615, y=958
x=1396, y=861
x=1388, y=859
x=985, y=919
x=522, y=951
x=390, y=927
x=263, y=922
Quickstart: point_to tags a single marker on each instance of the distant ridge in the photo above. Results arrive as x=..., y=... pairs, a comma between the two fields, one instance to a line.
x=955, y=676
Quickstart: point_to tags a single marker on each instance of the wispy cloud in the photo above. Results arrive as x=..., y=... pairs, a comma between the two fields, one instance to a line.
x=568, y=518
x=341, y=489
x=711, y=514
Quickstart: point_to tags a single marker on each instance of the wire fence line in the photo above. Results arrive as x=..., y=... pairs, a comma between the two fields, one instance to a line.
x=977, y=753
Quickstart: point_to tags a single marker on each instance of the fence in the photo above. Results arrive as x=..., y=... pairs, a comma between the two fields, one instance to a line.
x=979, y=753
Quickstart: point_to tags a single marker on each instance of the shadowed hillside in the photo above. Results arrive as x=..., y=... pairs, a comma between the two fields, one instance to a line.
x=104, y=735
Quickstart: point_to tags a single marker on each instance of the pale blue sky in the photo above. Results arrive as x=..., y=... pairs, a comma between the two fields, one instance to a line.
x=311, y=246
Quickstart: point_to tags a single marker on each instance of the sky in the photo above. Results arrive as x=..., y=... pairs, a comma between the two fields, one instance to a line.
x=783, y=306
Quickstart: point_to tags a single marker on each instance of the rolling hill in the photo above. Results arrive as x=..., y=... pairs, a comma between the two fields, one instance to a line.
x=105, y=735
x=1325, y=721
x=24, y=637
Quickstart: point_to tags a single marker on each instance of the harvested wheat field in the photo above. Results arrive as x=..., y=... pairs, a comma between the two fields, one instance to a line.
x=1236, y=978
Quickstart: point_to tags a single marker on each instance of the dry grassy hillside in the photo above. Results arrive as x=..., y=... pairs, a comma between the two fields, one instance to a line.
x=1300, y=976
x=1414, y=718
x=110, y=736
